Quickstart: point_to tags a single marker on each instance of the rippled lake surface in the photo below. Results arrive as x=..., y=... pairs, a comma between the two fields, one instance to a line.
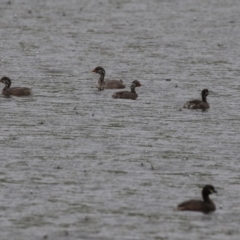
x=77, y=164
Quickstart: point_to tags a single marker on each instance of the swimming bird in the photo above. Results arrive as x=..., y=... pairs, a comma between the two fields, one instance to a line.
x=126, y=94
x=205, y=206
x=14, y=91
x=107, y=84
x=198, y=104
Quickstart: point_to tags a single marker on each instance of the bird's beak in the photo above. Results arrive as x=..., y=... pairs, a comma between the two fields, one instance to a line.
x=94, y=70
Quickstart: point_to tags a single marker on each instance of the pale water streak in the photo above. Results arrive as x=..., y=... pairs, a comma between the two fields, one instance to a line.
x=77, y=164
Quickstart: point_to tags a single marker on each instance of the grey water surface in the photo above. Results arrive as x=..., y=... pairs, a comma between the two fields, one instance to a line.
x=77, y=164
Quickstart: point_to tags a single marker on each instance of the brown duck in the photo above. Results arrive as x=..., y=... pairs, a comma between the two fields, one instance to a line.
x=126, y=94
x=205, y=206
x=14, y=91
x=108, y=84
x=198, y=104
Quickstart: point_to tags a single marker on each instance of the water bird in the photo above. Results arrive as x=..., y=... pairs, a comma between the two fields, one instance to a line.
x=107, y=84
x=198, y=104
x=205, y=206
x=14, y=91
x=126, y=94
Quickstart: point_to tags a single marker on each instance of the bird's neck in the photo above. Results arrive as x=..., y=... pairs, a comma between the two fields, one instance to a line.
x=204, y=98
x=133, y=90
x=206, y=197
x=101, y=78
